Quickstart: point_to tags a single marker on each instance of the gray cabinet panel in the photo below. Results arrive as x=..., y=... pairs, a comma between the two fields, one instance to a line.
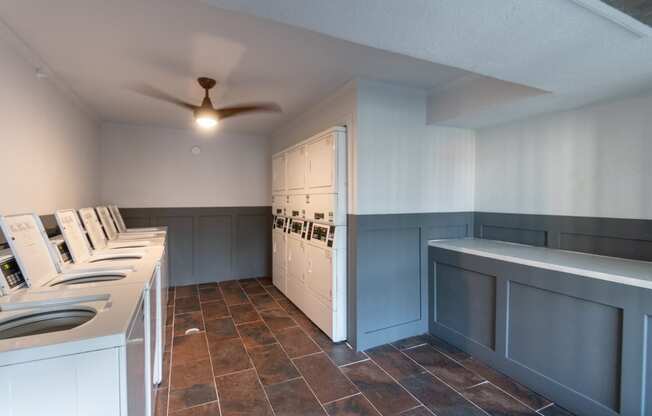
x=574, y=341
x=466, y=303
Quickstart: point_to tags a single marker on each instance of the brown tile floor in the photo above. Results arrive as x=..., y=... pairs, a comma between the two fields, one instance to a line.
x=242, y=348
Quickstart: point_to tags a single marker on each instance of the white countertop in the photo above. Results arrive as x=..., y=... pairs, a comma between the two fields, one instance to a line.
x=612, y=269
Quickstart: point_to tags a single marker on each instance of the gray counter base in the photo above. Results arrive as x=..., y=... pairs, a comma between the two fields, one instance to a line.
x=581, y=342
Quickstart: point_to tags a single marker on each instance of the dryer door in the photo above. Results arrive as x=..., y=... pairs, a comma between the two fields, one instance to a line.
x=319, y=276
x=295, y=272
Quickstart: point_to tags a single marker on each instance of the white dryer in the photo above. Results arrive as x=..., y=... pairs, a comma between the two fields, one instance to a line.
x=296, y=261
x=325, y=279
x=279, y=249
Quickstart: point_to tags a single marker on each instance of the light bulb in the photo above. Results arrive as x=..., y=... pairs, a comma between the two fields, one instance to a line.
x=206, y=121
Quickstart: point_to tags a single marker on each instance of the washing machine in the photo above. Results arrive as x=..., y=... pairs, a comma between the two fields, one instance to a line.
x=296, y=261
x=34, y=256
x=112, y=231
x=325, y=279
x=76, y=352
x=122, y=228
x=98, y=238
x=79, y=247
x=279, y=260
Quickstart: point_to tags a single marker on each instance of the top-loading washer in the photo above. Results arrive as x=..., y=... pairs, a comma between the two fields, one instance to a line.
x=31, y=248
x=98, y=238
x=112, y=231
x=76, y=352
x=122, y=228
x=78, y=244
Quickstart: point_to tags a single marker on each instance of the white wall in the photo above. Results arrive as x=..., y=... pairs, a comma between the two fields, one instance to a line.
x=145, y=166
x=404, y=165
x=49, y=146
x=594, y=161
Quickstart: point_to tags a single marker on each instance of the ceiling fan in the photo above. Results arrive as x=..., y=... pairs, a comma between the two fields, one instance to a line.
x=206, y=115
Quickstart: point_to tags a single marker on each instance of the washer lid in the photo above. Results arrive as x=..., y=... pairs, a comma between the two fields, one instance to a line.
x=107, y=223
x=74, y=235
x=93, y=227
x=31, y=246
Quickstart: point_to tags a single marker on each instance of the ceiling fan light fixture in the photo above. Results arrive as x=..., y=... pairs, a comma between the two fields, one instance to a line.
x=206, y=118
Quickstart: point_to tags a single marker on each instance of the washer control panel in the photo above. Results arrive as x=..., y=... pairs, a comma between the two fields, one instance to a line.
x=11, y=277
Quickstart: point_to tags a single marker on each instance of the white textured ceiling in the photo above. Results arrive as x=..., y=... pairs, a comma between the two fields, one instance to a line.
x=571, y=48
x=297, y=51
x=100, y=48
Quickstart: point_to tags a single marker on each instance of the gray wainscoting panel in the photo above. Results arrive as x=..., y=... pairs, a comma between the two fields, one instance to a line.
x=392, y=297
x=577, y=334
x=627, y=238
x=387, y=272
x=214, y=253
x=466, y=303
x=180, y=245
x=208, y=244
x=583, y=343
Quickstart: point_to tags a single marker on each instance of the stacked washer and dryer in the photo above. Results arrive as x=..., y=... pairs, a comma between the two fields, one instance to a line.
x=309, y=204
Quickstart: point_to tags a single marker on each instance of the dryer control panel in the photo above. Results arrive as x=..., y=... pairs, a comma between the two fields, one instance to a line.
x=11, y=278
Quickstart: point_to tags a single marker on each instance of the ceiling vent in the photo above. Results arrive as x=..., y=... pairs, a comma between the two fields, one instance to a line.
x=633, y=15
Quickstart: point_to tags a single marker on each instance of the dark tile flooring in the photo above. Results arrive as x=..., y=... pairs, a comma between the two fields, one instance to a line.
x=242, y=348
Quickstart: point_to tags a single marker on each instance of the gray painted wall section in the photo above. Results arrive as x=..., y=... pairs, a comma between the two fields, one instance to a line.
x=580, y=342
x=387, y=272
x=213, y=243
x=616, y=237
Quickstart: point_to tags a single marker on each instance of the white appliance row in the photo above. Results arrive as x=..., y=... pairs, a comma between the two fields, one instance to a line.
x=309, y=267
x=309, y=179
x=81, y=329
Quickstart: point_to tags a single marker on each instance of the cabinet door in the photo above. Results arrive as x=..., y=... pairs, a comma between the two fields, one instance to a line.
x=278, y=173
x=296, y=170
x=322, y=165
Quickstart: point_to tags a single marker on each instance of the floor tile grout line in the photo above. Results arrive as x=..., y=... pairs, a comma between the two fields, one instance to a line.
x=307, y=355
x=444, y=382
x=545, y=407
x=476, y=385
x=343, y=398
x=354, y=362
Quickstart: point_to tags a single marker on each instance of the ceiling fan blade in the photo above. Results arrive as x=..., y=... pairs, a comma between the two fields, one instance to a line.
x=237, y=110
x=157, y=94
